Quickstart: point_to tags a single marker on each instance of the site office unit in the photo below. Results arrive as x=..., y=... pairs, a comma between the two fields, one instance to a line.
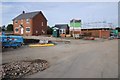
x=28, y=24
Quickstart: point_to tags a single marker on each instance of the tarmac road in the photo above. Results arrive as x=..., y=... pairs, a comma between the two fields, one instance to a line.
x=79, y=59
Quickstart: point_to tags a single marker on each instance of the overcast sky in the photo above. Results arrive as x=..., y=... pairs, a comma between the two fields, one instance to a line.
x=63, y=12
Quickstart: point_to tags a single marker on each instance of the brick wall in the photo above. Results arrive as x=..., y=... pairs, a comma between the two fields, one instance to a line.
x=104, y=34
x=25, y=25
x=39, y=25
x=97, y=33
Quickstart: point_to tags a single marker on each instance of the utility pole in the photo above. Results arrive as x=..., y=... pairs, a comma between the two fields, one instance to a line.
x=73, y=27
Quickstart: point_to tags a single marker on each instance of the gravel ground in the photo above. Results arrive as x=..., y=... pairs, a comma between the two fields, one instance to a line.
x=19, y=69
x=62, y=52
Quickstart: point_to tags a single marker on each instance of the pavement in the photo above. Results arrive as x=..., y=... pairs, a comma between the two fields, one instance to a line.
x=78, y=59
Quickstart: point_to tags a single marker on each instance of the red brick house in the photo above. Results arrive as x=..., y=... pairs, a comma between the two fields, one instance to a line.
x=28, y=24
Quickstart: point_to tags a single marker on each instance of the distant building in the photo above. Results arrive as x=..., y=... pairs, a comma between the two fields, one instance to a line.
x=96, y=32
x=63, y=29
x=32, y=23
x=75, y=26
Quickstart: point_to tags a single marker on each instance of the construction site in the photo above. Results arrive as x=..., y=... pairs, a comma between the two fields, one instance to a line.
x=75, y=49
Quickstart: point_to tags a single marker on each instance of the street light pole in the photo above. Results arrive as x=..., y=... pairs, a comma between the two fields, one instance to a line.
x=80, y=28
x=73, y=27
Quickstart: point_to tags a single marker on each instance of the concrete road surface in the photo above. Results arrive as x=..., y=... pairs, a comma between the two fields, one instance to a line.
x=79, y=59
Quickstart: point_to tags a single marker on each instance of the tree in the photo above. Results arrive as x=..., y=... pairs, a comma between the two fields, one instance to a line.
x=49, y=30
x=3, y=28
x=10, y=27
x=0, y=29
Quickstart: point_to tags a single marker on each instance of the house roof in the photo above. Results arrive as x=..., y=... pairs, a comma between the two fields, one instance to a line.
x=28, y=15
x=61, y=26
x=75, y=20
x=95, y=28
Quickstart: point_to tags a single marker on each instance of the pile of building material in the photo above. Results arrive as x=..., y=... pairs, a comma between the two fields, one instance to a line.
x=43, y=41
x=68, y=35
x=31, y=41
x=63, y=35
x=20, y=69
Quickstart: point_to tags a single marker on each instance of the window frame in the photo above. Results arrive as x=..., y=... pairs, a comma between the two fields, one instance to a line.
x=21, y=21
x=26, y=30
x=63, y=32
x=16, y=28
x=42, y=24
x=60, y=31
x=27, y=21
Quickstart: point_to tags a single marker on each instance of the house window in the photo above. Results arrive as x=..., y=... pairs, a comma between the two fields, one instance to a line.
x=16, y=30
x=27, y=20
x=16, y=21
x=43, y=31
x=60, y=31
x=64, y=31
x=42, y=23
x=21, y=21
x=28, y=29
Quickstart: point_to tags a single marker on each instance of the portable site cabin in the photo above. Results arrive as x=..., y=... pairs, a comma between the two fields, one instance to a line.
x=118, y=28
x=55, y=32
x=114, y=33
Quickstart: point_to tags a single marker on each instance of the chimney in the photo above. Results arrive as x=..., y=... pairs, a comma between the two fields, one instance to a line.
x=23, y=12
